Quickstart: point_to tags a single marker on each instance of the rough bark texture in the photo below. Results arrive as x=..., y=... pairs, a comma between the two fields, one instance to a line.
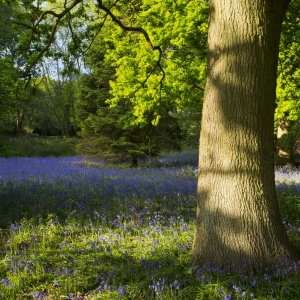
x=237, y=210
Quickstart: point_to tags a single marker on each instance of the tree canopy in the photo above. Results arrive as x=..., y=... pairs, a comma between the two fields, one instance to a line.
x=157, y=51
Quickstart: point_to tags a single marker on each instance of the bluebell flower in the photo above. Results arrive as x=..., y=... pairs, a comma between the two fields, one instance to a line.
x=122, y=291
x=6, y=282
x=184, y=226
x=253, y=282
x=158, y=285
x=55, y=283
x=39, y=296
x=267, y=277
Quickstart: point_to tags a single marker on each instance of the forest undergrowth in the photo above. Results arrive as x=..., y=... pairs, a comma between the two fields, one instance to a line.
x=75, y=230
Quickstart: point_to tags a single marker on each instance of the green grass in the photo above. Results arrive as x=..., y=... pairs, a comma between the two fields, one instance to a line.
x=127, y=258
x=29, y=146
x=121, y=258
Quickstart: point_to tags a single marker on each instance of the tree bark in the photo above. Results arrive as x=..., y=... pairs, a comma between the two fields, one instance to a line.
x=237, y=210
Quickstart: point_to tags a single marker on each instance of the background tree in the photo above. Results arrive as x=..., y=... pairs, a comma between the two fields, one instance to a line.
x=149, y=97
x=15, y=91
x=60, y=95
x=105, y=129
x=163, y=93
x=179, y=78
x=41, y=119
x=287, y=115
x=8, y=73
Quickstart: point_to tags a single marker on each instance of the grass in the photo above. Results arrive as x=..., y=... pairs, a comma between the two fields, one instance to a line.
x=72, y=231
x=34, y=146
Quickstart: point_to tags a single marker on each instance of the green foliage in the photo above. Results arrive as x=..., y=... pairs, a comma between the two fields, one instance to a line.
x=7, y=76
x=139, y=107
x=154, y=87
x=288, y=82
x=15, y=92
x=180, y=29
x=8, y=37
x=30, y=146
x=52, y=111
x=105, y=129
x=8, y=73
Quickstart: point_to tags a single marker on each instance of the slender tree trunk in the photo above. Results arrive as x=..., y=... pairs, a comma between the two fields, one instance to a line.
x=134, y=160
x=237, y=210
x=66, y=111
x=285, y=144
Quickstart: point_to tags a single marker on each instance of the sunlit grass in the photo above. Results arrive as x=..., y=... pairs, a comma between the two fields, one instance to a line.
x=109, y=233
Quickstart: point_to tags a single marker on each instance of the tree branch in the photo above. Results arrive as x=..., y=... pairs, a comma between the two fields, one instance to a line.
x=42, y=16
x=144, y=33
x=127, y=28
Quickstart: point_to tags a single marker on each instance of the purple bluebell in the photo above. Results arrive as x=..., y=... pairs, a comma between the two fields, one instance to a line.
x=6, y=282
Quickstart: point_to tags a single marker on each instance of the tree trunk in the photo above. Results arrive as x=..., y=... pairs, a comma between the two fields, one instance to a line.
x=285, y=144
x=65, y=128
x=237, y=210
x=134, y=160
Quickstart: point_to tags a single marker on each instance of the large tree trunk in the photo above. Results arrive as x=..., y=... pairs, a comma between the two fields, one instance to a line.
x=237, y=210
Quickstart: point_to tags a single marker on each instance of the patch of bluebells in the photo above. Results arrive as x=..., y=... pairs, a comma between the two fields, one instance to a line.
x=39, y=296
x=245, y=284
x=147, y=216
x=158, y=286
x=103, y=282
x=187, y=157
x=51, y=185
x=291, y=229
x=287, y=179
x=71, y=296
x=6, y=282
